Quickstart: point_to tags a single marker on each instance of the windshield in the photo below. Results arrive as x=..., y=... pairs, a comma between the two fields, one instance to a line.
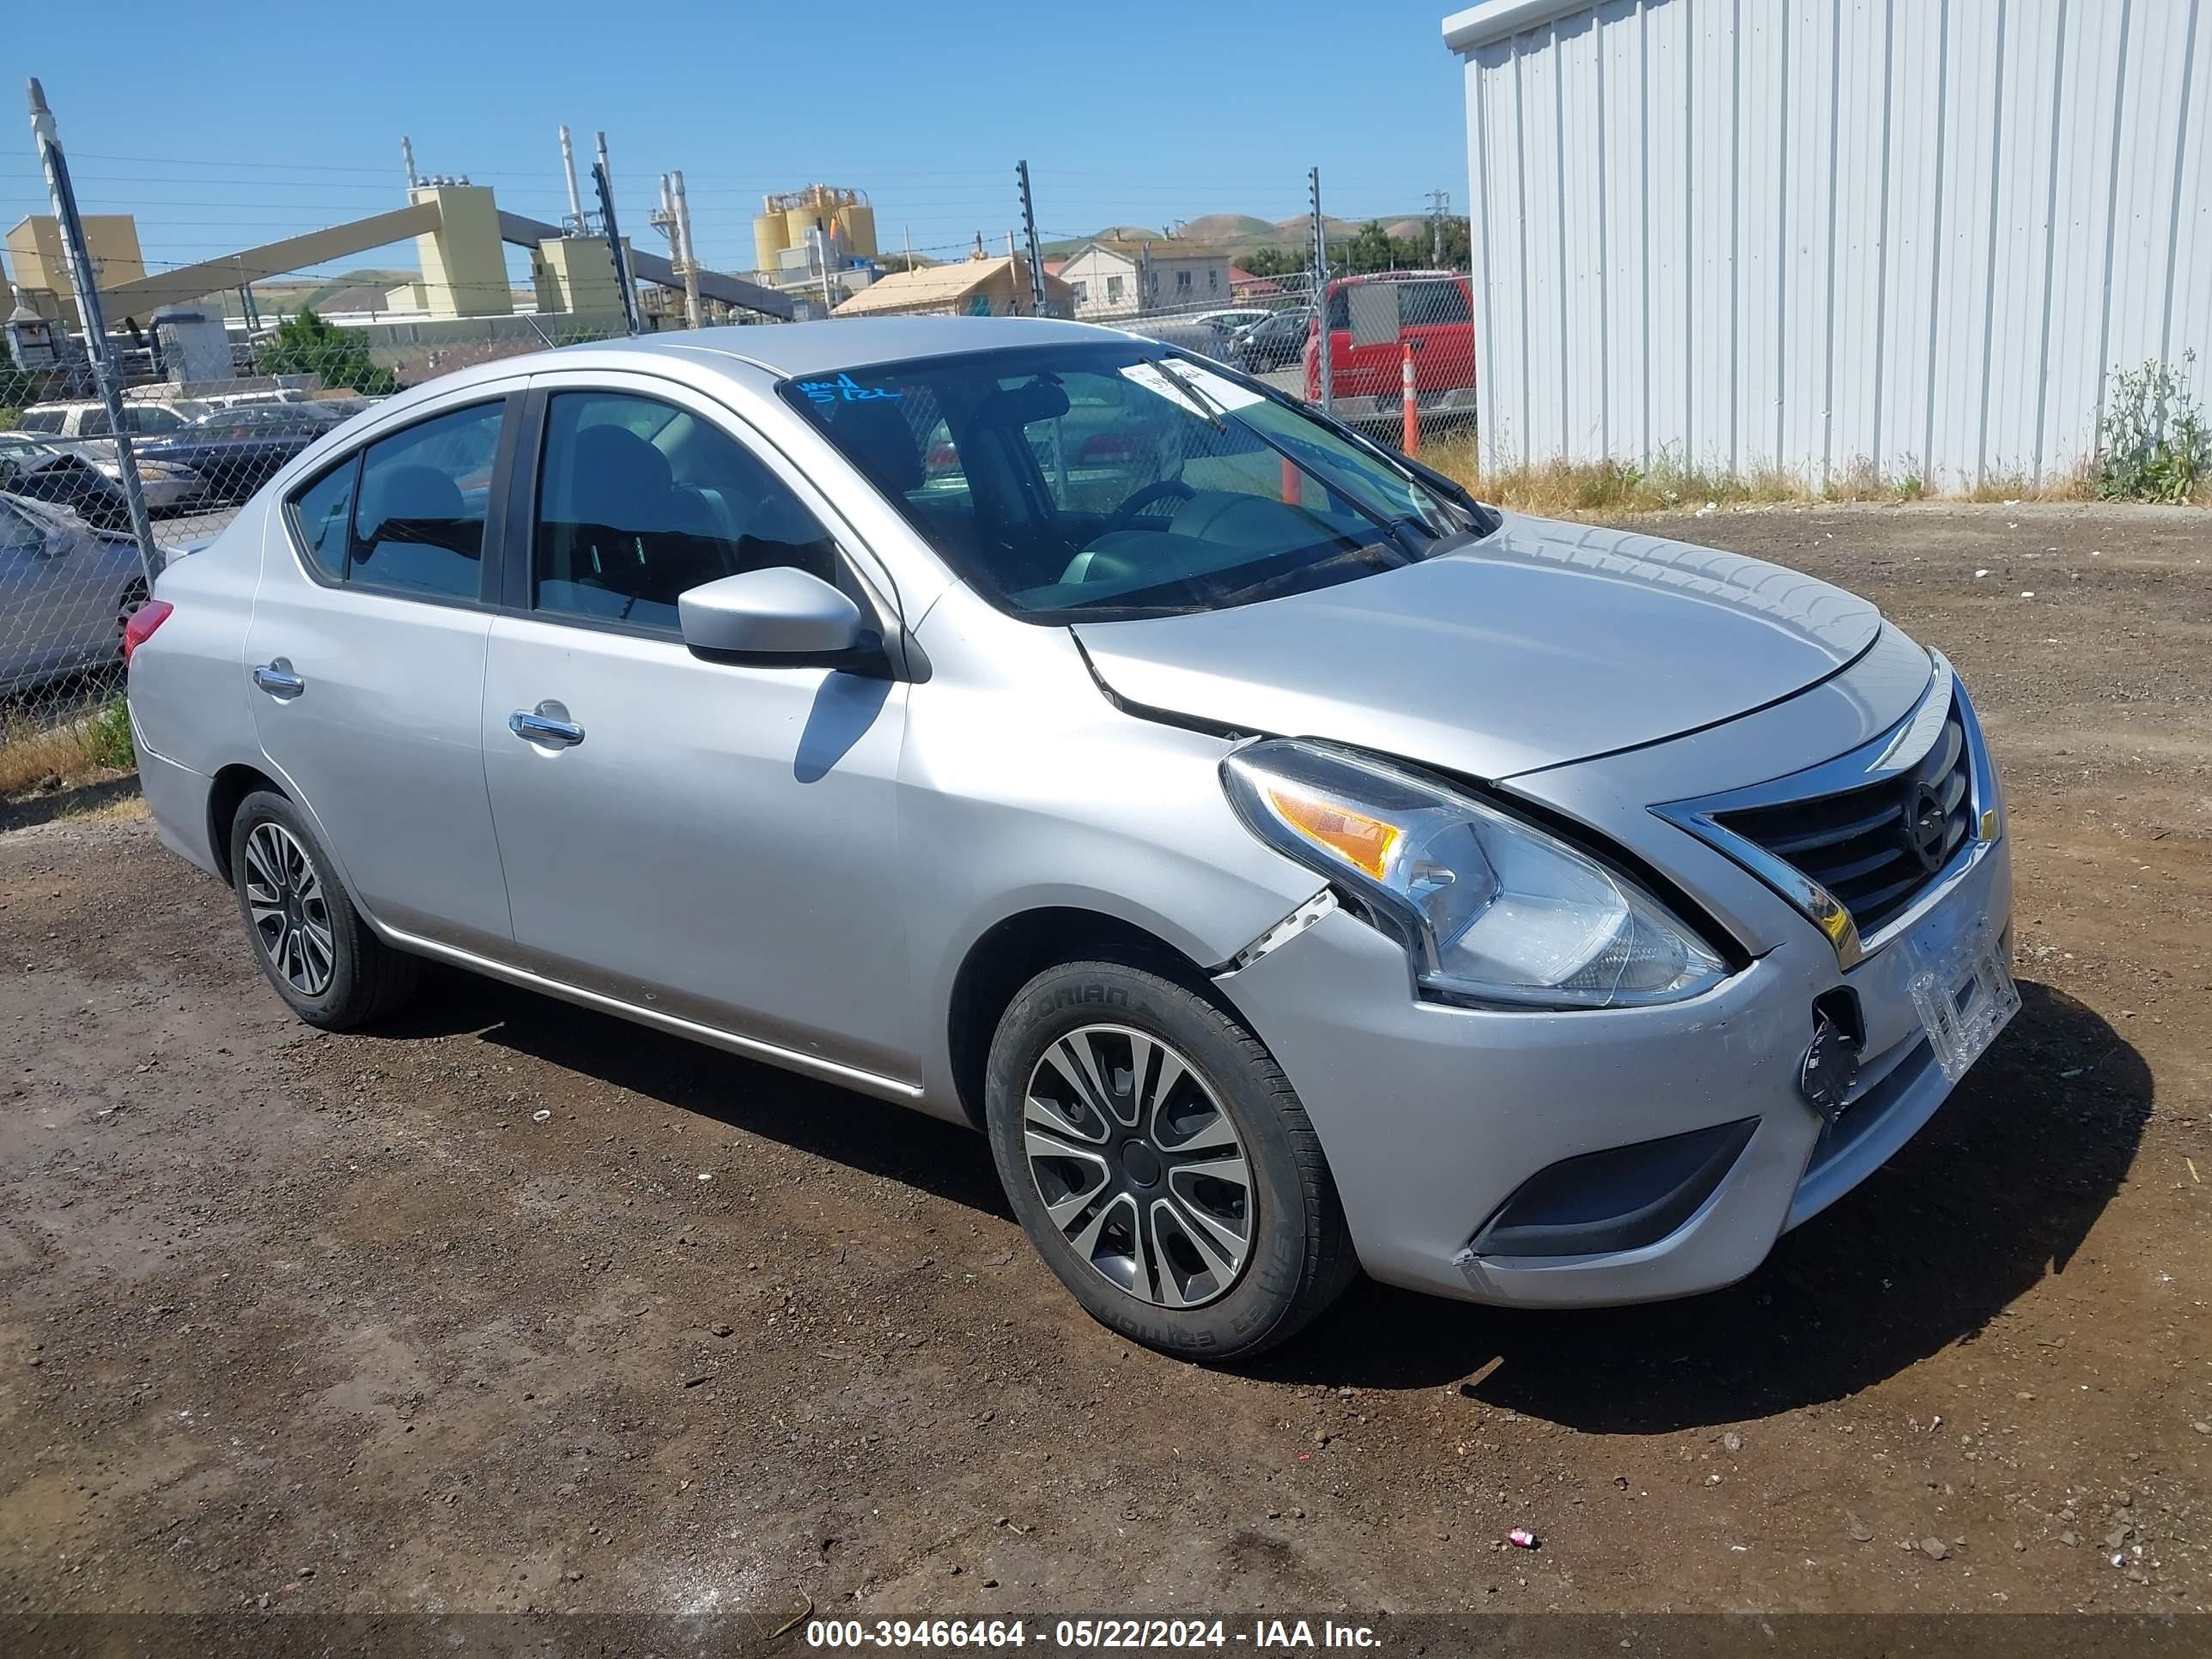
x=1096, y=481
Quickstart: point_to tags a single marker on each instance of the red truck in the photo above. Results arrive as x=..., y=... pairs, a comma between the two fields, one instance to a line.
x=1372, y=320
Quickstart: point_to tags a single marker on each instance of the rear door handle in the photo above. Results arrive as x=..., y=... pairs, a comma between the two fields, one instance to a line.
x=278, y=680
x=534, y=727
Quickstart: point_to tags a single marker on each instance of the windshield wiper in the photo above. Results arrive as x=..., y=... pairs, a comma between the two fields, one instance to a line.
x=1201, y=401
x=1267, y=587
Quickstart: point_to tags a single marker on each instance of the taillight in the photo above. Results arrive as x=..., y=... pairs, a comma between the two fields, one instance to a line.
x=143, y=621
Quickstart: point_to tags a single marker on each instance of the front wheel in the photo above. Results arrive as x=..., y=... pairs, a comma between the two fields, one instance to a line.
x=1161, y=1162
x=310, y=941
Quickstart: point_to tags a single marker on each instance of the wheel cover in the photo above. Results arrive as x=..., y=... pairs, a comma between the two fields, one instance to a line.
x=1138, y=1166
x=291, y=918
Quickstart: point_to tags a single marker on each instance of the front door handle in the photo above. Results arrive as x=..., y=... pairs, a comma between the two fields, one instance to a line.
x=533, y=726
x=277, y=679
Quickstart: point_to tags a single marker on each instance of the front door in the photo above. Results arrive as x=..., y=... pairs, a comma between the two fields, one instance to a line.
x=713, y=841
x=366, y=653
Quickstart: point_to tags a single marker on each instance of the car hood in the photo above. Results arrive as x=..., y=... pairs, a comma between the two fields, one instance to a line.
x=1541, y=644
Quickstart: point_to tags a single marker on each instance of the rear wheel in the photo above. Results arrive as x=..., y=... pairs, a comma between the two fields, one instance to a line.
x=310, y=941
x=1161, y=1162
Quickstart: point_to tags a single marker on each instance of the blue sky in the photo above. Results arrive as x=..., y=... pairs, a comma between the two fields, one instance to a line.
x=221, y=128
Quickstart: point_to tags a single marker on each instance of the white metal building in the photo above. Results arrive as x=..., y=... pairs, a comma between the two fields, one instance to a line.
x=1821, y=234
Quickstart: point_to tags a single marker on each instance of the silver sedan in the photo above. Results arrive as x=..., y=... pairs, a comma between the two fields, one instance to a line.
x=67, y=594
x=1292, y=865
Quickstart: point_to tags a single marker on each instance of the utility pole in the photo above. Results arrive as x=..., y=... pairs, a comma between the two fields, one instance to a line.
x=1439, y=204
x=1320, y=293
x=407, y=159
x=575, y=225
x=86, y=281
x=1029, y=229
x=663, y=219
x=692, y=308
x=607, y=189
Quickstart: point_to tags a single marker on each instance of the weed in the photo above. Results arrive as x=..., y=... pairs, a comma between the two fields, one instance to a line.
x=34, y=751
x=2155, y=445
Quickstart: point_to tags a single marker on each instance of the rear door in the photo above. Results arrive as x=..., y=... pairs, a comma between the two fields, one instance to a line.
x=713, y=840
x=366, y=652
x=38, y=621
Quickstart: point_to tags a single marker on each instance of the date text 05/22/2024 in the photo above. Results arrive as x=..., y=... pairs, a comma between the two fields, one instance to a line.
x=1089, y=1635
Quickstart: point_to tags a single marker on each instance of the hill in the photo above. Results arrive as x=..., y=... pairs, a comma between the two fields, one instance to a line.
x=1228, y=230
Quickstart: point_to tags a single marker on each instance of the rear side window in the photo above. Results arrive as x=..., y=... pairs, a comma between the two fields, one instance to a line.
x=1425, y=305
x=407, y=514
x=39, y=420
x=324, y=513
x=418, y=516
x=17, y=533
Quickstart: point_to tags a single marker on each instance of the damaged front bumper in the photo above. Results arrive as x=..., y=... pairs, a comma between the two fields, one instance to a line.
x=1591, y=1157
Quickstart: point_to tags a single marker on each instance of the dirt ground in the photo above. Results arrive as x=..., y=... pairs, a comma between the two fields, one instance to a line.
x=337, y=1323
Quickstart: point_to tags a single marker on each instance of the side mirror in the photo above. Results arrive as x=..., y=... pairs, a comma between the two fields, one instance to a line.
x=780, y=611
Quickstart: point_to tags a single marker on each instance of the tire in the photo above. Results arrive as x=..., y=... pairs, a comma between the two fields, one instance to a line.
x=1182, y=1284
x=310, y=941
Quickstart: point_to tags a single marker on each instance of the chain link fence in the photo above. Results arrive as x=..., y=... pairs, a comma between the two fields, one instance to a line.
x=71, y=574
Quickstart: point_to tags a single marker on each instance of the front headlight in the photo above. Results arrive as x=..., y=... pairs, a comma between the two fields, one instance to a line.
x=1490, y=908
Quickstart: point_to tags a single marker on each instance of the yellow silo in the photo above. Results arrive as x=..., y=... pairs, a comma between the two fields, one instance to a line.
x=786, y=220
x=801, y=219
x=856, y=226
x=769, y=235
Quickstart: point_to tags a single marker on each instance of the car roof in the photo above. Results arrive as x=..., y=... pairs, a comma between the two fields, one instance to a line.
x=825, y=348
x=760, y=352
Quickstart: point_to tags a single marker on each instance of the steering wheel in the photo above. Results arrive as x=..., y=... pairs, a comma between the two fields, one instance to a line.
x=1125, y=515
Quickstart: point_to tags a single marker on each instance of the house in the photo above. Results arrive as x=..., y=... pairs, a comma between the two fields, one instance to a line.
x=1117, y=276
x=978, y=286
x=1247, y=289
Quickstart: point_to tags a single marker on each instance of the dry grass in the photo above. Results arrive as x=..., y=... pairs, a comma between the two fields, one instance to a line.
x=1607, y=489
x=72, y=750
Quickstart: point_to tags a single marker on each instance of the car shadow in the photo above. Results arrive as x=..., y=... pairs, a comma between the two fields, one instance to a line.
x=1997, y=1192
x=865, y=1133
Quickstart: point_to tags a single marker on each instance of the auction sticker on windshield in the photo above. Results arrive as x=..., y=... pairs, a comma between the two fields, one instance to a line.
x=1225, y=394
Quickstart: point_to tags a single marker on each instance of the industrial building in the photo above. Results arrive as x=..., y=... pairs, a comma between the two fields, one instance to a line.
x=42, y=270
x=790, y=224
x=463, y=294
x=1915, y=238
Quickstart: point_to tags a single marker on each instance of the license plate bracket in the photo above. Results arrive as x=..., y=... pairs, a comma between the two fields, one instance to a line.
x=1963, y=990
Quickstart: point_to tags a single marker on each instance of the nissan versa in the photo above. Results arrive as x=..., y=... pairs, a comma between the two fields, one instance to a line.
x=1293, y=865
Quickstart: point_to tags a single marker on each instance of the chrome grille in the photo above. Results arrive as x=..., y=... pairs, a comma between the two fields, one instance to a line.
x=1860, y=844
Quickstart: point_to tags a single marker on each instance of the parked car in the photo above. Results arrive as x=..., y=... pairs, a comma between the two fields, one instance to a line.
x=1431, y=313
x=62, y=478
x=1274, y=341
x=1203, y=335
x=87, y=418
x=67, y=594
x=235, y=450
x=1292, y=864
x=82, y=428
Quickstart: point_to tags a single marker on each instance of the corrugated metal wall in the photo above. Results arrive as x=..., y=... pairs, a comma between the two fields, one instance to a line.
x=1822, y=235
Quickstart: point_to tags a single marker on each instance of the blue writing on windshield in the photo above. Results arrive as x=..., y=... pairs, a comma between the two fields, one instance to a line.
x=844, y=389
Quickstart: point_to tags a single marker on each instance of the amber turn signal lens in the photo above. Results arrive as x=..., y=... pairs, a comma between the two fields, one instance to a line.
x=1362, y=841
